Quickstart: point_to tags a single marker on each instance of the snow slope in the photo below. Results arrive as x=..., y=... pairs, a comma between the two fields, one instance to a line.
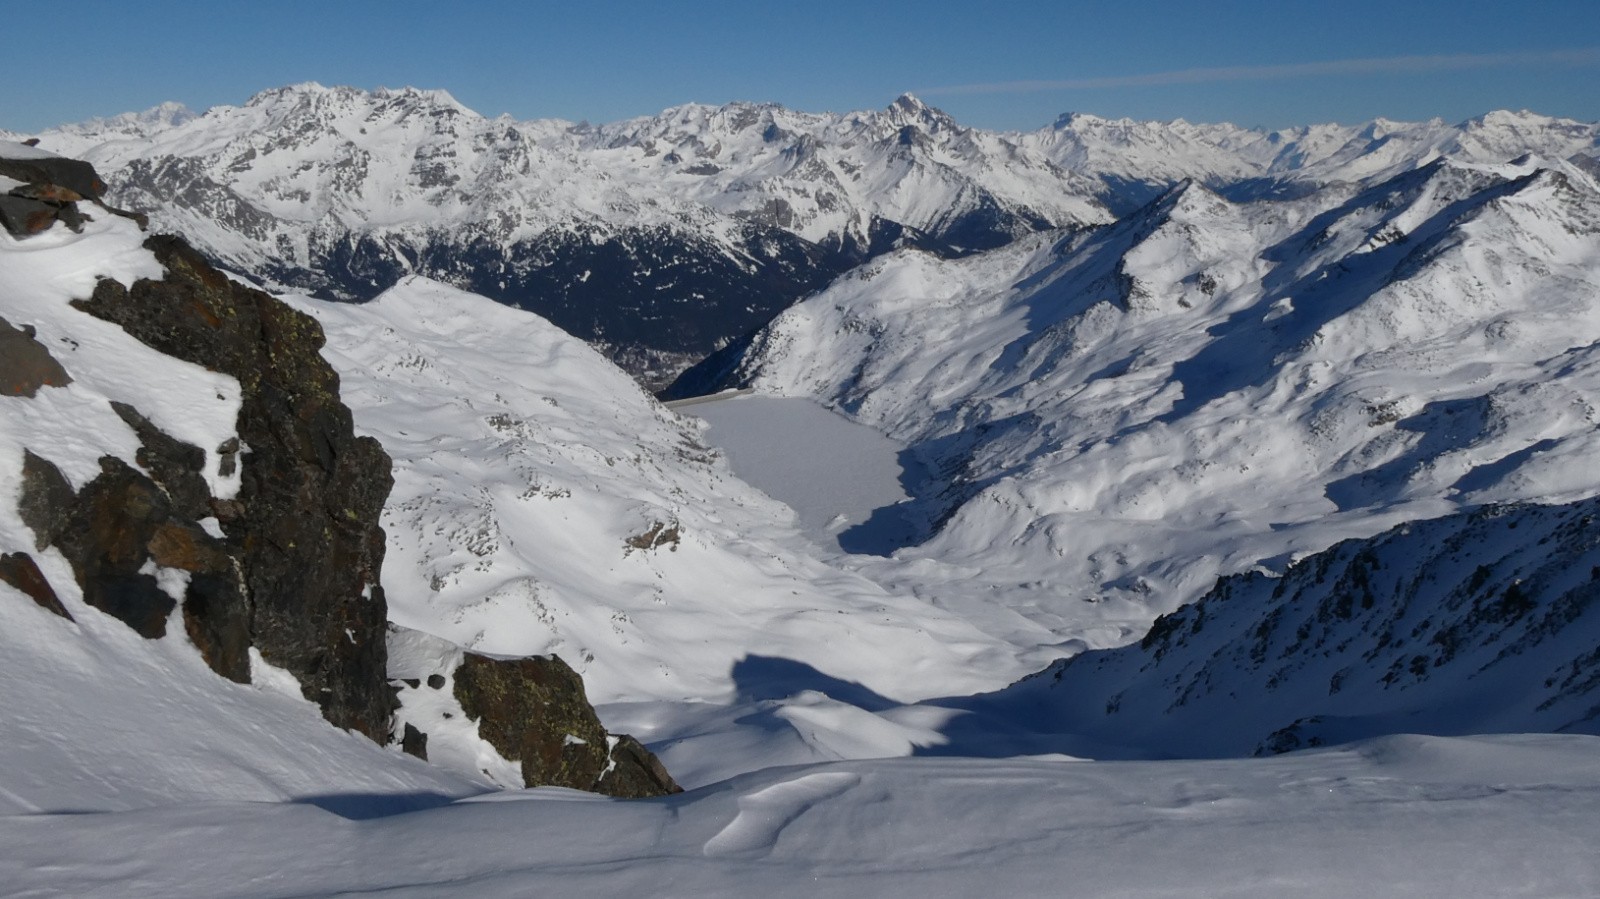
x=1113, y=418
x=544, y=503
x=1402, y=816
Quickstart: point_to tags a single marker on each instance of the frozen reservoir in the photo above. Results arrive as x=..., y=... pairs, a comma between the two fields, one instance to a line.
x=843, y=479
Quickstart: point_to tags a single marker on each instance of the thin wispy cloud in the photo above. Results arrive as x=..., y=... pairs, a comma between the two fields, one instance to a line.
x=1385, y=65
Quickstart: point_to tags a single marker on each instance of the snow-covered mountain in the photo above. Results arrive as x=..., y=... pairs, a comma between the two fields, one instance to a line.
x=657, y=236
x=1478, y=622
x=1113, y=418
x=1245, y=163
x=661, y=238
x=1108, y=419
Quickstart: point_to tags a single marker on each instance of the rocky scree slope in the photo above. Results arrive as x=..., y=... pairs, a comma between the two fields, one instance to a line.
x=262, y=540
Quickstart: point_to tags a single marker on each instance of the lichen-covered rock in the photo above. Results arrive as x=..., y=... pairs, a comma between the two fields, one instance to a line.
x=303, y=531
x=103, y=534
x=124, y=527
x=534, y=711
x=23, y=216
x=46, y=499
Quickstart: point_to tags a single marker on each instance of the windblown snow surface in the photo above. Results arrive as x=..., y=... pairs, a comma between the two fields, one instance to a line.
x=1102, y=439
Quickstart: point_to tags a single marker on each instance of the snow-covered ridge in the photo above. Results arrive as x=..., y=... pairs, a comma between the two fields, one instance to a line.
x=418, y=158
x=822, y=176
x=1480, y=622
x=1116, y=417
x=664, y=237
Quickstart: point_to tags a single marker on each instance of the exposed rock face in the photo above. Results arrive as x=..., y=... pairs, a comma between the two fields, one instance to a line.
x=635, y=772
x=414, y=742
x=302, y=533
x=48, y=189
x=535, y=711
x=55, y=178
x=25, y=364
x=20, y=571
x=104, y=531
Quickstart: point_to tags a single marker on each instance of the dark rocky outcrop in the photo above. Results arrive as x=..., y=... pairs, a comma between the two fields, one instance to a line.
x=303, y=532
x=534, y=711
x=51, y=189
x=414, y=742
x=20, y=571
x=25, y=364
x=123, y=521
x=103, y=531
x=635, y=772
x=23, y=216
x=46, y=499
x=55, y=178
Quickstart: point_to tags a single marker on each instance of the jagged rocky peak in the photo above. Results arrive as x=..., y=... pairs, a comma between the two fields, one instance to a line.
x=301, y=115
x=907, y=109
x=421, y=96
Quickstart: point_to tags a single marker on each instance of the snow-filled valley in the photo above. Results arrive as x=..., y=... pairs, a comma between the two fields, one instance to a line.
x=1236, y=539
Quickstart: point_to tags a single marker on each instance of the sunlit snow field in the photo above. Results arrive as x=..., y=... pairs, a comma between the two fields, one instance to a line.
x=1400, y=816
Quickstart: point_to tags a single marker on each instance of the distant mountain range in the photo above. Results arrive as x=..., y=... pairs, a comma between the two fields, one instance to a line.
x=1119, y=415
x=663, y=238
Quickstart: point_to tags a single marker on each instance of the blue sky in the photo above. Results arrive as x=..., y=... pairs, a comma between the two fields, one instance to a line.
x=1013, y=65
